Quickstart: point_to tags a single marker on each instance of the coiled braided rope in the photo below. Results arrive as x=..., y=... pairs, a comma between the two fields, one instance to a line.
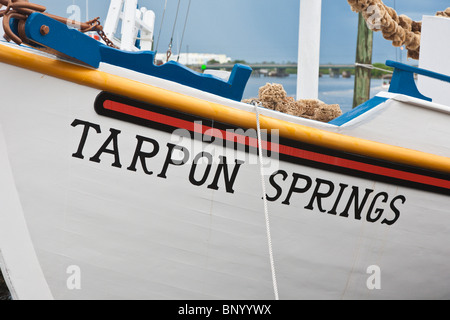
x=401, y=30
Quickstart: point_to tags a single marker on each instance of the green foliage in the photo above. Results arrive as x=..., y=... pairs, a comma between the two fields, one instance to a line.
x=291, y=70
x=379, y=73
x=213, y=61
x=352, y=71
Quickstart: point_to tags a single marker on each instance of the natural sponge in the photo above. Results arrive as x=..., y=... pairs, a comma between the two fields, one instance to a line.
x=274, y=97
x=445, y=13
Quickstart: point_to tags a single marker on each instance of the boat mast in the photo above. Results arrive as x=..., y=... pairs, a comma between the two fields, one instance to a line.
x=309, y=49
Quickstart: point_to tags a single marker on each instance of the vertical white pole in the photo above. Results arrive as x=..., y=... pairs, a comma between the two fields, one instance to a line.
x=128, y=25
x=309, y=49
x=87, y=10
x=149, y=19
x=113, y=17
x=1, y=29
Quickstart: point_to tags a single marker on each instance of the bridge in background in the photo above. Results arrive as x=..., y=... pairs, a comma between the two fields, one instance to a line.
x=280, y=69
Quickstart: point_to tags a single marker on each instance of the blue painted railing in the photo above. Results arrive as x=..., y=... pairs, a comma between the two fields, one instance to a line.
x=360, y=110
x=403, y=79
x=71, y=43
x=402, y=83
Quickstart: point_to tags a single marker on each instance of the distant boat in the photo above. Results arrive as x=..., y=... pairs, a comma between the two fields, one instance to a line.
x=386, y=82
x=278, y=74
x=346, y=74
x=122, y=179
x=334, y=73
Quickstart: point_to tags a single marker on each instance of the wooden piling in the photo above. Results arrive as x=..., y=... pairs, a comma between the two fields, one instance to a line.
x=364, y=56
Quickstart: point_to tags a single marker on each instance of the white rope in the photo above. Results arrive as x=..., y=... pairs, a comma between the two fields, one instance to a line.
x=266, y=207
x=160, y=28
x=372, y=67
x=184, y=30
x=169, y=51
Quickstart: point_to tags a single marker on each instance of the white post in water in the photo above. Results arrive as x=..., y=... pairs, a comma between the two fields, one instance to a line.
x=309, y=49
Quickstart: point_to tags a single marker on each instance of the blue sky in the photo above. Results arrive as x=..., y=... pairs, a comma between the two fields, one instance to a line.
x=260, y=30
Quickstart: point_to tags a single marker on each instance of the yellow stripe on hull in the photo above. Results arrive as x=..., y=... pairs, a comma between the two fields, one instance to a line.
x=218, y=112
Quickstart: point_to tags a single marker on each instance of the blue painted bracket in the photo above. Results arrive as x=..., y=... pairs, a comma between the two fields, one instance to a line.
x=358, y=111
x=403, y=79
x=72, y=44
x=402, y=82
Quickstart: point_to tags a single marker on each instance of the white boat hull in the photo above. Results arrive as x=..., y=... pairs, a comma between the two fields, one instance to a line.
x=136, y=235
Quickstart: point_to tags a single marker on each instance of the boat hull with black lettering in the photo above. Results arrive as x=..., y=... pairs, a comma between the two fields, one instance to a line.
x=121, y=185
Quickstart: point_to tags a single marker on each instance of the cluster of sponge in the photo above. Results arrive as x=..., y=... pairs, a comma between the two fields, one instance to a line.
x=274, y=97
x=445, y=13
